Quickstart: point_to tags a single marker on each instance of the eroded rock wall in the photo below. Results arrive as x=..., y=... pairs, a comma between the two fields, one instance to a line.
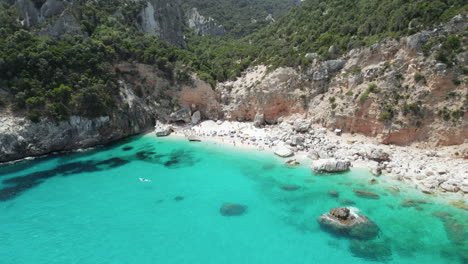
x=393, y=90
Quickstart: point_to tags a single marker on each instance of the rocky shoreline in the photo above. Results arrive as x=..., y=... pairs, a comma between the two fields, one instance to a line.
x=430, y=171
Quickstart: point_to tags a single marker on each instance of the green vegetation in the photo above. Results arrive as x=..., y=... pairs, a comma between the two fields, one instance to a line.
x=77, y=75
x=349, y=93
x=418, y=77
x=74, y=75
x=371, y=89
x=315, y=25
x=412, y=108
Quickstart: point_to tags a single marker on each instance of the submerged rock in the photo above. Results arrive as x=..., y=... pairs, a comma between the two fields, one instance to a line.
x=366, y=194
x=292, y=163
x=343, y=201
x=330, y=165
x=232, y=209
x=371, y=250
x=290, y=187
x=342, y=221
x=333, y=193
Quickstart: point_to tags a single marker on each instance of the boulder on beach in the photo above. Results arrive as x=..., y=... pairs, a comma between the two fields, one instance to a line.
x=345, y=222
x=330, y=165
x=163, y=132
x=301, y=126
x=193, y=138
x=182, y=115
x=196, y=117
x=232, y=209
x=283, y=151
x=376, y=154
x=366, y=194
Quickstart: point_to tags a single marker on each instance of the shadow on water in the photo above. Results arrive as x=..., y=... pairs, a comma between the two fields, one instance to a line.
x=15, y=186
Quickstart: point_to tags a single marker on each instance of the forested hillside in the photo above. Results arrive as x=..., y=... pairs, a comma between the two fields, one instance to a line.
x=316, y=25
x=328, y=28
x=55, y=76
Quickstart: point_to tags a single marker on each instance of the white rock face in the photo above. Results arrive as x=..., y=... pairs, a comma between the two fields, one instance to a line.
x=204, y=26
x=283, y=151
x=330, y=165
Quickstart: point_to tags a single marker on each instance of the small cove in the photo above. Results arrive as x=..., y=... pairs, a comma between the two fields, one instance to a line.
x=90, y=207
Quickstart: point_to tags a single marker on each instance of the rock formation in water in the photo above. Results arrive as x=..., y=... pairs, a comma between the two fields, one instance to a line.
x=342, y=221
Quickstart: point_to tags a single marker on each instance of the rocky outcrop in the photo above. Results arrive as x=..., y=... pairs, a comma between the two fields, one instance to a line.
x=203, y=26
x=21, y=138
x=343, y=221
x=164, y=19
x=133, y=114
x=330, y=165
x=66, y=23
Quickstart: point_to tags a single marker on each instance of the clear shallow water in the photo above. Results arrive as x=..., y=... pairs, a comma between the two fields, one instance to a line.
x=90, y=207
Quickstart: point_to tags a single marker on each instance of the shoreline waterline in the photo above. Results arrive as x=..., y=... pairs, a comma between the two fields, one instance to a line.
x=400, y=154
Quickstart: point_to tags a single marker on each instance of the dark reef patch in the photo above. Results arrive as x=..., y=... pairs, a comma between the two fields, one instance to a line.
x=127, y=148
x=19, y=184
x=371, y=250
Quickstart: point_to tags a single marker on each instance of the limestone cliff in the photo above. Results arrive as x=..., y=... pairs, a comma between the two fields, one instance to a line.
x=145, y=95
x=162, y=18
x=203, y=26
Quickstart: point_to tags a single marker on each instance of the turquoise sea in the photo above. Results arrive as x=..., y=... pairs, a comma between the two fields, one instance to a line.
x=91, y=207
